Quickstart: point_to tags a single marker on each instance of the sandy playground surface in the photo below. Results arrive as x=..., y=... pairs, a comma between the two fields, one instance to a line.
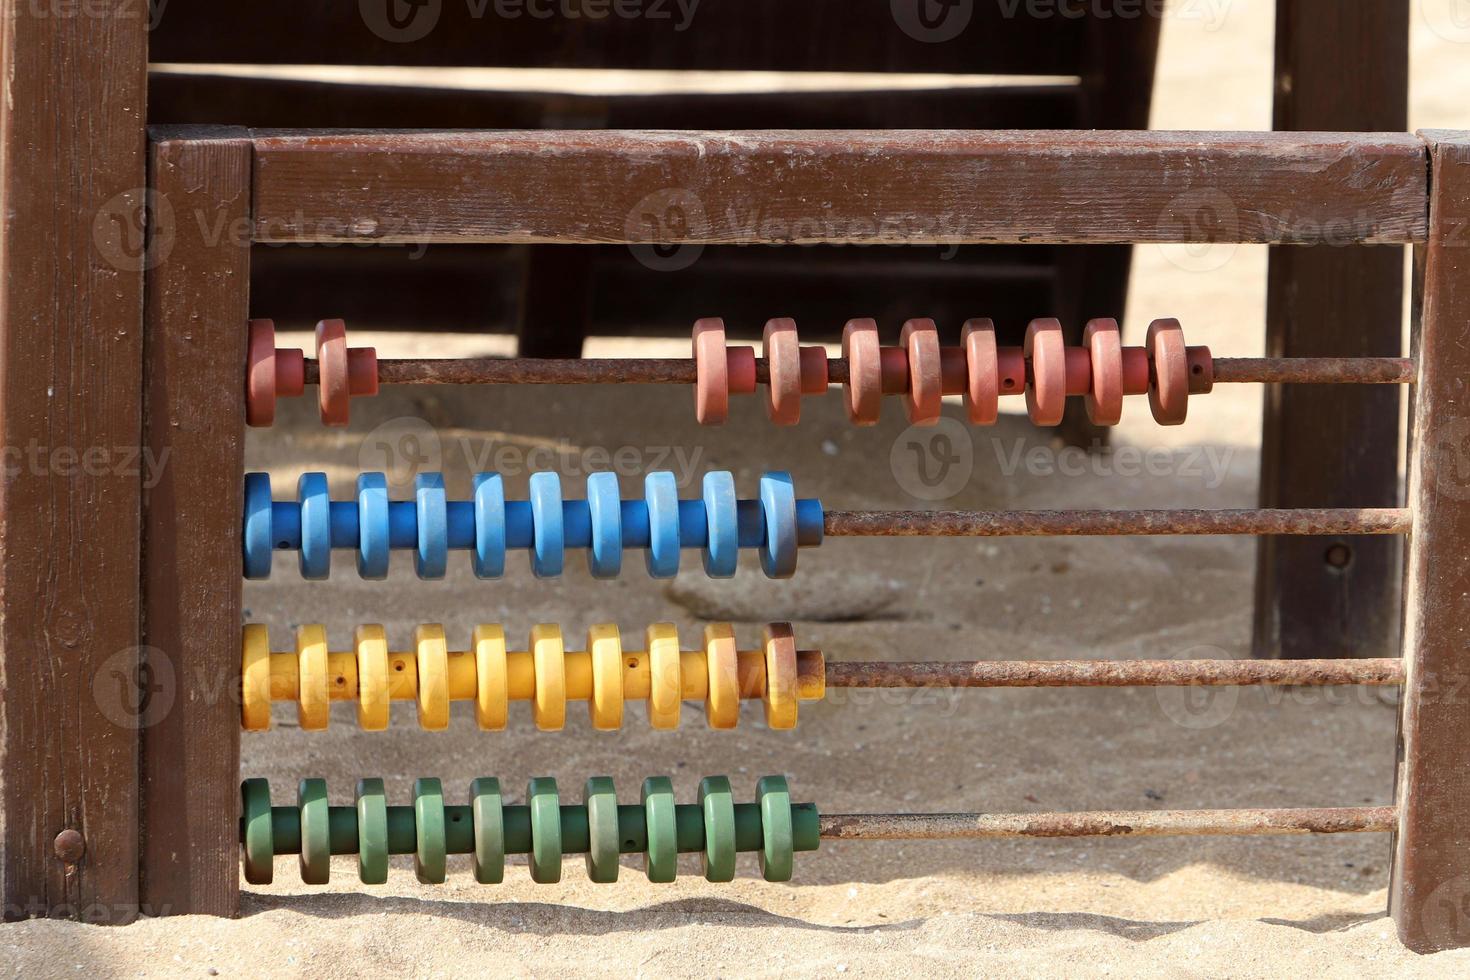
x=1206, y=906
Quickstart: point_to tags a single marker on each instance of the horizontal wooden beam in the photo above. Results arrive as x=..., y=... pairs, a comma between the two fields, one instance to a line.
x=845, y=187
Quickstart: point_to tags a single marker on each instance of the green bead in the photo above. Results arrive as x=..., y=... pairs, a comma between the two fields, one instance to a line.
x=428, y=819
x=776, y=836
x=372, y=832
x=718, y=804
x=316, y=831
x=603, y=835
x=541, y=797
x=662, y=859
x=255, y=803
x=487, y=812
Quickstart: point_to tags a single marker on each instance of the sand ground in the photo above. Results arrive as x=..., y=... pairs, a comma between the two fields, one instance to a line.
x=1176, y=907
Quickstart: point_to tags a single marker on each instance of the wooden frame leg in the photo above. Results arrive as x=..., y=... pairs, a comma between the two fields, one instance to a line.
x=1333, y=446
x=1429, y=890
x=197, y=302
x=71, y=305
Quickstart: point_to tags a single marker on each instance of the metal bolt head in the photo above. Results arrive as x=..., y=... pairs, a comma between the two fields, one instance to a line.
x=70, y=846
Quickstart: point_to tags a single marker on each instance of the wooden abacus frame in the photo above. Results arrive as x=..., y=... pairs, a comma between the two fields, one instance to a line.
x=216, y=192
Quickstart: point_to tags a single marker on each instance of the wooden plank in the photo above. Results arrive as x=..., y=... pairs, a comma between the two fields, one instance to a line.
x=1322, y=445
x=688, y=35
x=841, y=186
x=71, y=307
x=1429, y=888
x=195, y=414
x=291, y=103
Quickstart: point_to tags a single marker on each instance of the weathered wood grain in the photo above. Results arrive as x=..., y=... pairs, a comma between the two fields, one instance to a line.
x=195, y=418
x=843, y=187
x=1429, y=889
x=71, y=307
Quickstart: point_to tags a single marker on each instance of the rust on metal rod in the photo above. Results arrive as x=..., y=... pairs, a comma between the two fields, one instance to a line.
x=1315, y=370
x=1040, y=523
x=1108, y=823
x=680, y=370
x=1115, y=673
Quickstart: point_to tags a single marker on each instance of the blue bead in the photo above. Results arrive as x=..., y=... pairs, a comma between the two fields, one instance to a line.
x=431, y=555
x=661, y=493
x=489, y=559
x=778, y=506
x=722, y=547
x=548, y=550
x=606, y=509
x=372, y=525
x=316, y=526
x=258, y=535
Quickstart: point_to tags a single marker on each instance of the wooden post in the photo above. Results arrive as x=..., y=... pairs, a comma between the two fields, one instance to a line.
x=1429, y=891
x=1339, y=67
x=71, y=310
x=196, y=318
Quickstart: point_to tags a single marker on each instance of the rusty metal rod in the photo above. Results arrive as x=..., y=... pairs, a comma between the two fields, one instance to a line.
x=1315, y=370
x=1108, y=823
x=1032, y=523
x=652, y=370
x=1380, y=672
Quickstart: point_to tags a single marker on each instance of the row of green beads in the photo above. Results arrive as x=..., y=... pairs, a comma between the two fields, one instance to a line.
x=459, y=832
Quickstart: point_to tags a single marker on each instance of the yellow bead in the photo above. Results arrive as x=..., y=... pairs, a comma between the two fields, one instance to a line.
x=492, y=685
x=722, y=661
x=549, y=707
x=605, y=648
x=255, y=678
x=780, y=696
x=313, y=695
x=432, y=659
x=665, y=685
x=371, y=645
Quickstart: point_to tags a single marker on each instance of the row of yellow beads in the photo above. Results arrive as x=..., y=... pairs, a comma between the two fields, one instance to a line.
x=605, y=675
